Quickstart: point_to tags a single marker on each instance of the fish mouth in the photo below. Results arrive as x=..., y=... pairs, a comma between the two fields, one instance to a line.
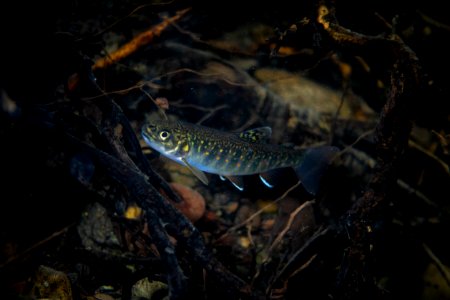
x=148, y=140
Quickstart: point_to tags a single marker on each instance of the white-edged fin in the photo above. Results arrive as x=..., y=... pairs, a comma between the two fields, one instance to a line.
x=272, y=178
x=198, y=173
x=222, y=178
x=265, y=181
x=237, y=181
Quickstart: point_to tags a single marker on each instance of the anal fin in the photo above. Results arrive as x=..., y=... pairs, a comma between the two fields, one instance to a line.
x=237, y=181
x=265, y=178
x=272, y=177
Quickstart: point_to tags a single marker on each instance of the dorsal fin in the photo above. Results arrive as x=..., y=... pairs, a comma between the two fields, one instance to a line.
x=288, y=145
x=256, y=135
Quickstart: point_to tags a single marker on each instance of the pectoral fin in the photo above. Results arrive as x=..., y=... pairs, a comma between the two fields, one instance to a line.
x=198, y=173
x=238, y=182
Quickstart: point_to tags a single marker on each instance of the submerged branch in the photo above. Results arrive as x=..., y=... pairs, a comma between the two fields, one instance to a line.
x=137, y=42
x=391, y=136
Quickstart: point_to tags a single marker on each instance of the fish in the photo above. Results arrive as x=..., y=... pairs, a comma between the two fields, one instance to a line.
x=232, y=155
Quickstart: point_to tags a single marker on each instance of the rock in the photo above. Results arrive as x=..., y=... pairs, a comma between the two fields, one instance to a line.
x=193, y=204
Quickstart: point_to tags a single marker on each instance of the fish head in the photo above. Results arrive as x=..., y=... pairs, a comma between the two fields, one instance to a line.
x=168, y=138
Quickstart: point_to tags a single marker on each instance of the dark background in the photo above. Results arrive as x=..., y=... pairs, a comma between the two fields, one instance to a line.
x=40, y=49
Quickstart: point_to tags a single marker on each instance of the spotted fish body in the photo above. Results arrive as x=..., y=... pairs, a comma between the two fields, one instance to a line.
x=224, y=153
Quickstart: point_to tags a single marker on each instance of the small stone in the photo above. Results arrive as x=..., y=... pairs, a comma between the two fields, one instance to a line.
x=193, y=203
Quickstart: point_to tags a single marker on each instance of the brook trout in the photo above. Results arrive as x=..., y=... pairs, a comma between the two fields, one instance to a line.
x=231, y=155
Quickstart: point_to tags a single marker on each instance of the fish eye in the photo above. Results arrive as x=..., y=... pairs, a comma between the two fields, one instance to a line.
x=164, y=135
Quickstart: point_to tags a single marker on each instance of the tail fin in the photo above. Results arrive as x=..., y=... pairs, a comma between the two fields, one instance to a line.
x=314, y=165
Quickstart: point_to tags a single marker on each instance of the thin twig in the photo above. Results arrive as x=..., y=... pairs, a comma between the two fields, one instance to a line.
x=288, y=224
x=416, y=193
x=217, y=76
x=140, y=85
x=36, y=245
x=257, y=213
x=137, y=42
x=338, y=110
x=440, y=266
x=211, y=113
x=302, y=254
x=160, y=110
x=444, y=141
x=109, y=27
x=433, y=22
x=445, y=166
